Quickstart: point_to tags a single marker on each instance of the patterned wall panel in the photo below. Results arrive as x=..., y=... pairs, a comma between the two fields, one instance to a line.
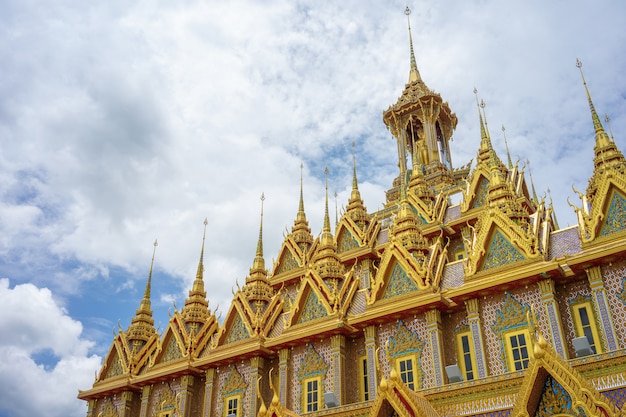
x=614, y=276
x=449, y=323
x=565, y=293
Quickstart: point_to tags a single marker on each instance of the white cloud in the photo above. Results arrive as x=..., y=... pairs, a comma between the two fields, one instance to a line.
x=35, y=327
x=121, y=123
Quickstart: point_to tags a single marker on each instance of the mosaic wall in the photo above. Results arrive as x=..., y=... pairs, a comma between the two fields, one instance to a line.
x=197, y=398
x=449, y=323
x=618, y=396
x=417, y=324
x=564, y=293
x=355, y=348
x=493, y=346
x=613, y=276
x=297, y=354
x=158, y=390
x=220, y=381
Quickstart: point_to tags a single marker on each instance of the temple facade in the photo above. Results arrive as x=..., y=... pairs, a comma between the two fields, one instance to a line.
x=461, y=297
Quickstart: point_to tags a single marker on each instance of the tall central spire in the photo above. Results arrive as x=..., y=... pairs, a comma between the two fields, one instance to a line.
x=196, y=305
x=142, y=325
x=414, y=75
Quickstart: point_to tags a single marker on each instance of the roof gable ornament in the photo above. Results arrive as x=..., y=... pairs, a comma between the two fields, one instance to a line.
x=602, y=212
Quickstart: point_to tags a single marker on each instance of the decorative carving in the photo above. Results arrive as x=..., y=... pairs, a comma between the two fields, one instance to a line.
x=554, y=400
x=312, y=308
x=481, y=193
x=312, y=364
x=399, y=283
x=513, y=314
x=287, y=262
x=404, y=341
x=346, y=242
x=501, y=252
x=622, y=294
x=109, y=410
x=115, y=367
x=237, y=331
x=234, y=384
x=172, y=351
x=616, y=216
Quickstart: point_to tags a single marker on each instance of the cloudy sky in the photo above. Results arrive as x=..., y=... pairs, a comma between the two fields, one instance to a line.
x=122, y=122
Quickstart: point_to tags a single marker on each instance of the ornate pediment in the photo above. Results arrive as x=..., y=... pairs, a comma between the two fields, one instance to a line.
x=401, y=273
x=113, y=365
x=346, y=240
x=511, y=315
x=236, y=329
x=476, y=194
x=404, y=341
x=312, y=364
x=289, y=258
x=551, y=386
x=234, y=384
x=497, y=242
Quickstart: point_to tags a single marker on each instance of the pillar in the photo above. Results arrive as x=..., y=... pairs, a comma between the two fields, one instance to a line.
x=283, y=375
x=370, y=351
x=145, y=399
x=256, y=369
x=473, y=319
x=208, y=391
x=433, y=329
x=186, y=393
x=554, y=317
x=598, y=294
x=338, y=355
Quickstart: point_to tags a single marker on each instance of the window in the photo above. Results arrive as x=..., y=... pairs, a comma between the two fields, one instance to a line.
x=231, y=405
x=312, y=397
x=364, y=379
x=585, y=324
x=406, y=369
x=518, y=349
x=466, y=355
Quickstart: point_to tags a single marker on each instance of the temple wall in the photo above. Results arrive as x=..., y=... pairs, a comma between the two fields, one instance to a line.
x=566, y=293
x=449, y=323
x=614, y=276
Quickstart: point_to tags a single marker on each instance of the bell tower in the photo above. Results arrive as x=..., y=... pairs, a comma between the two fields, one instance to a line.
x=422, y=124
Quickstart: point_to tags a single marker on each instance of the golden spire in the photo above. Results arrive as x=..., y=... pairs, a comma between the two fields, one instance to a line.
x=142, y=325
x=196, y=309
x=556, y=222
x=356, y=209
x=300, y=230
x=326, y=216
x=506, y=144
x=257, y=288
x=259, y=262
x=607, y=119
x=326, y=260
x=414, y=75
x=602, y=138
x=532, y=183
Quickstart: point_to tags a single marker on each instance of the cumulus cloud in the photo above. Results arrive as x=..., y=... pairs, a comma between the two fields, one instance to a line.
x=44, y=356
x=124, y=122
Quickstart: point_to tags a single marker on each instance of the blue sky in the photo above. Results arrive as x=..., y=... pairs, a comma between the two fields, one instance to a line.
x=121, y=123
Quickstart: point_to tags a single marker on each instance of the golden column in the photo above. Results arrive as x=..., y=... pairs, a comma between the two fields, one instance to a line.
x=256, y=367
x=370, y=351
x=283, y=375
x=338, y=355
x=554, y=317
x=473, y=319
x=433, y=328
x=208, y=391
x=598, y=294
x=145, y=399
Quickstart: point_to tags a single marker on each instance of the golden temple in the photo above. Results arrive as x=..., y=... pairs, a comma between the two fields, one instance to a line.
x=461, y=297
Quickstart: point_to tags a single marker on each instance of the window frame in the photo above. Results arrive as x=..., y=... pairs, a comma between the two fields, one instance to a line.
x=509, y=348
x=227, y=407
x=461, y=354
x=318, y=405
x=412, y=359
x=364, y=388
x=579, y=327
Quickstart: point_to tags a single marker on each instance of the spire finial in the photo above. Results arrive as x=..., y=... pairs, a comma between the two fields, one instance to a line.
x=326, y=216
x=506, y=144
x=259, y=246
x=301, y=206
x=607, y=119
x=483, y=131
x=556, y=222
x=200, y=272
x=355, y=184
x=601, y=137
x=336, y=211
x=532, y=183
x=414, y=75
x=146, y=294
